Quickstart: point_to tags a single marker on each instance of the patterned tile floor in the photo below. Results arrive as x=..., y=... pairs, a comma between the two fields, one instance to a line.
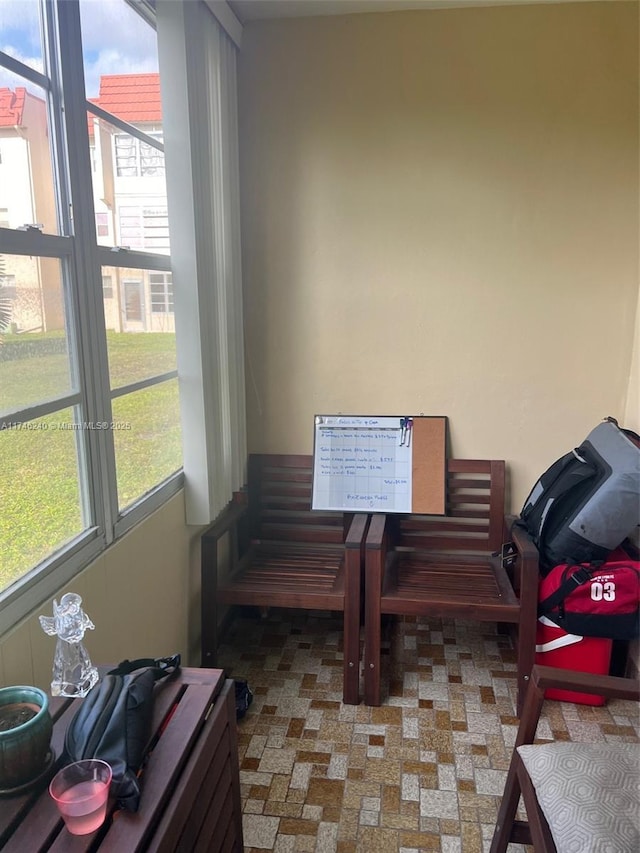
x=423, y=772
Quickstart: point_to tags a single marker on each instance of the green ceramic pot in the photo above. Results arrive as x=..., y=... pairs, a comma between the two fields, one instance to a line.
x=25, y=735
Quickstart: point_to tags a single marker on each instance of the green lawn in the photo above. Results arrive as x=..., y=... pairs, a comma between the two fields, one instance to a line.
x=39, y=489
x=132, y=357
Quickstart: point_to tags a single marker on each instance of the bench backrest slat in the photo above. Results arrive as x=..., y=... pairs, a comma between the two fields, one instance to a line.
x=475, y=512
x=280, y=490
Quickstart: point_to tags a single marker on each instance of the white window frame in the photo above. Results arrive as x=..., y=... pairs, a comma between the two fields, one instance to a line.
x=82, y=260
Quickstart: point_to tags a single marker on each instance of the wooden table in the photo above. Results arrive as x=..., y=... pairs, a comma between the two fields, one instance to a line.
x=190, y=784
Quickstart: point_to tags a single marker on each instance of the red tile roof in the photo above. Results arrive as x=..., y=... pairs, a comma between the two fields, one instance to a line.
x=132, y=97
x=11, y=106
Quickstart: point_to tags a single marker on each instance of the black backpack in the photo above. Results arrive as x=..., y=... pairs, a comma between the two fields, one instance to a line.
x=113, y=723
x=588, y=501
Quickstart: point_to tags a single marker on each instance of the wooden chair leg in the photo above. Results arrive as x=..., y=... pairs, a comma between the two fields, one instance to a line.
x=508, y=808
x=526, y=733
x=526, y=646
x=208, y=602
x=351, y=630
x=528, y=592
x=372, y=632
x=541, y=837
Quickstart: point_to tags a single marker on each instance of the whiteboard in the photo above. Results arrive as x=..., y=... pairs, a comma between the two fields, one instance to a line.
x=370, y=464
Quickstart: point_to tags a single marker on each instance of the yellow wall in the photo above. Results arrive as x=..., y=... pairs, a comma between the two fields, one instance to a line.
x=440, y=215
x=141, y=595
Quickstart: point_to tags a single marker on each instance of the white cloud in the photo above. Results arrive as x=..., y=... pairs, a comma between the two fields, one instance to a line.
x=20, y=29
x=116, y=40
x=112, y=61
x=26, y=59
x=7, y=78
x=22, y=19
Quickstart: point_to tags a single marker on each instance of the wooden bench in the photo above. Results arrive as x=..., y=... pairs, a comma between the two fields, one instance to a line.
x=190, y=782
x=281, y=553
x=445, y=566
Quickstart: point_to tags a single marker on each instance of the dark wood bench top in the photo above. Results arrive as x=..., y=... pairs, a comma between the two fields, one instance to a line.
x=194, y=720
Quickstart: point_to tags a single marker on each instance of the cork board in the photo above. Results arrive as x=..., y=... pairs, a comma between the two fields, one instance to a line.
x=393, y=464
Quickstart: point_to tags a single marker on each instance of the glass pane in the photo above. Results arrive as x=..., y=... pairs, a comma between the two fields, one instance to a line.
x=129, y=186
x=21, y=33
x=34, y=351
x=39, y=492
x=116, y=41
x=132, y=303
x=121, y=75
x=27, y=189
x=147, y=438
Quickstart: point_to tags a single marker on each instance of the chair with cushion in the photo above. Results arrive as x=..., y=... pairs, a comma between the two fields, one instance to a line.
x=579, y=798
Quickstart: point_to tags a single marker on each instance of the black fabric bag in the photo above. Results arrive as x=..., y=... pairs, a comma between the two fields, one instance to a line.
x=244, y=697
x=114, y=723
x=588, y=501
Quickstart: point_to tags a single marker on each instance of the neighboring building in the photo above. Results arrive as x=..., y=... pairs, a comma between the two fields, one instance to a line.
x=131, y=201
x=31, y=287
x=129, y=196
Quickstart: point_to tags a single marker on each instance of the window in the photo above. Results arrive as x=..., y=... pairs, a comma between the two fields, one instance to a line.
x=7, y=286
x=135, y=158
x=133, y=300
x=161, y=289
x=28, y=194
x=102, y=224
x=83, y=460
x=144, y=227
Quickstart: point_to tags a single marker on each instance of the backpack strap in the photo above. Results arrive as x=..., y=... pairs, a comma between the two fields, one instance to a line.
x=582, y=575
x=635, y=438
x=163, y=667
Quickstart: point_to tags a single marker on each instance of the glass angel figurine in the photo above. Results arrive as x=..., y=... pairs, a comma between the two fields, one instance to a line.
x=73, y=672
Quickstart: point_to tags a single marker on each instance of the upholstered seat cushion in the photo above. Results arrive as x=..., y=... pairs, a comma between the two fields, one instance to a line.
x=589, y=794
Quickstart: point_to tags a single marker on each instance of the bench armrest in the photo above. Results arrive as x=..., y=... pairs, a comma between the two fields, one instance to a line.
x=357, y=529
x=525, y=544
x=377, y=530
x=225, y=524
x=228, y=519
x=523, y=566
x=544, y=677
x=612, y=686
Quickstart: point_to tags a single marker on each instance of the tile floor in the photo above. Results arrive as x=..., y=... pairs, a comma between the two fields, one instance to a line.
x=423, y=772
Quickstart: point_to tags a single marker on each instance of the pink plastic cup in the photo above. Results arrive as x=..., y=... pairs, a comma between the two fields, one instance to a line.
x=81, y=791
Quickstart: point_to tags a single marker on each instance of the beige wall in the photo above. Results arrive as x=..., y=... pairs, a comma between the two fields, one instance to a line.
x=142, y=595
x=440, y=215
x=632, y=411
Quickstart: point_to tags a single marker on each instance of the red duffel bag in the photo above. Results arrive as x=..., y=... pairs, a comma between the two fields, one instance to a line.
x=594, y=599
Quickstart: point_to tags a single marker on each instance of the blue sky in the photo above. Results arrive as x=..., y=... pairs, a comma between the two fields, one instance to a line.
x=115, y=40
